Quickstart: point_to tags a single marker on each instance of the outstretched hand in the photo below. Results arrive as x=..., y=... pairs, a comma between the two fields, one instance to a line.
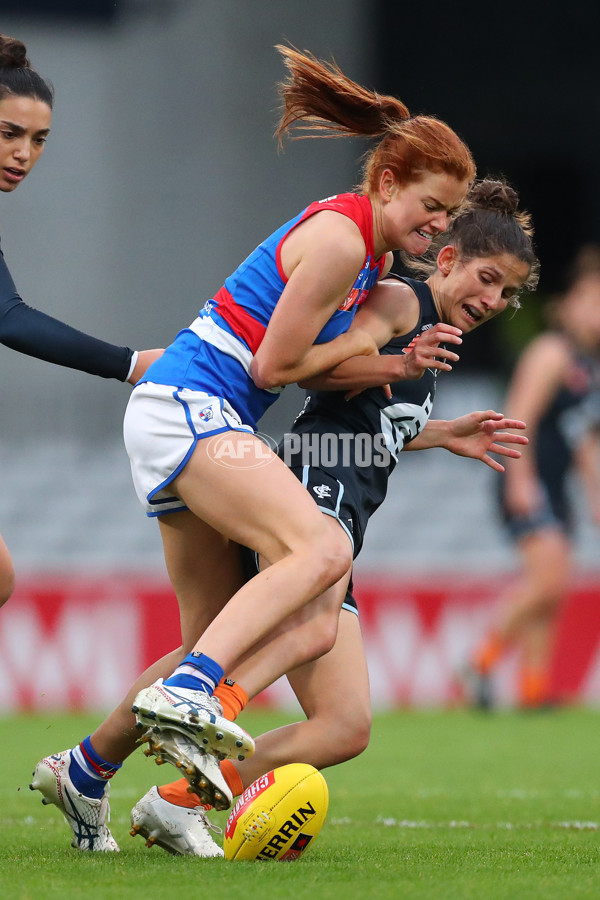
x=476, y=435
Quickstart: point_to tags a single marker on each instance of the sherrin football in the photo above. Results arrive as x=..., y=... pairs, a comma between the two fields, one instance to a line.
x=278, y=816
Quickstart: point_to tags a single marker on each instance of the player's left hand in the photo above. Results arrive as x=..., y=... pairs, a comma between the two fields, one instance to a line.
x=477, y=434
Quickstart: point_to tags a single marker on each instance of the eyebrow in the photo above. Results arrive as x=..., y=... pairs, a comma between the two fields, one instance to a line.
x=498, y=274
x=442, y=205
x=18, y=129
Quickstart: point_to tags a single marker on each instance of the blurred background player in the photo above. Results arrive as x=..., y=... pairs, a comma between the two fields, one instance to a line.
x=555, y=389
x=26, y=101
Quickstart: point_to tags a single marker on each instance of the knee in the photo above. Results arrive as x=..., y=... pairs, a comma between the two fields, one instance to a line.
x=350, y=737
x=357, y=741
x=322, y=635
x=548, y=595
x=331, y=555
x=549, y=604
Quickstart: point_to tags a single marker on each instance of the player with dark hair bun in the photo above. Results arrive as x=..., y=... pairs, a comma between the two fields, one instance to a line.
x=17, y=78
x=25, y=112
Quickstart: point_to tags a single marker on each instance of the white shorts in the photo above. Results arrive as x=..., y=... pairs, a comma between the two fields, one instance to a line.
x=161, y=428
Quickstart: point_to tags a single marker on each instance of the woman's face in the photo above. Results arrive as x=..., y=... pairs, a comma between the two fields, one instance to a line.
x=24, y=127
x=472, y=291
x=411, y=215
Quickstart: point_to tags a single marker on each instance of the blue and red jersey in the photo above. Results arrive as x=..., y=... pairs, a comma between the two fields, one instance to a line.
x=214, y=354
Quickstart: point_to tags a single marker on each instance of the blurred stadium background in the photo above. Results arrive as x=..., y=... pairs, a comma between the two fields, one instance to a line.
x=160, y=175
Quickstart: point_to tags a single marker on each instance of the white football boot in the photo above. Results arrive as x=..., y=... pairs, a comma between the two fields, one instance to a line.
x=199, y=767
x=195, y=714
x=86, y=816
x=177, y=829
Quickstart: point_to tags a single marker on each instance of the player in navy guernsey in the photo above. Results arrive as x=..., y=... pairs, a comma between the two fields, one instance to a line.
x=473, y=280
x=556, y=388
x=25, y=114
x=381, y=424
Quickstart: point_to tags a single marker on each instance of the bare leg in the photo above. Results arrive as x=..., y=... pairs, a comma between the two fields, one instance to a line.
x=254, y=507
x=527, y=615
x=7, y=573
x=301, y=638
x=334, y=694
x=538, y=594
x=205, y=570
x=211, y=577
x=204, y=580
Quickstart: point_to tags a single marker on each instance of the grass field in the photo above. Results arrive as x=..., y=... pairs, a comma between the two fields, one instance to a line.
x=442, y=805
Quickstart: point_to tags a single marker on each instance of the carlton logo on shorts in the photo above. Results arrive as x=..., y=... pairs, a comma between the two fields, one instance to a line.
x=322, y=491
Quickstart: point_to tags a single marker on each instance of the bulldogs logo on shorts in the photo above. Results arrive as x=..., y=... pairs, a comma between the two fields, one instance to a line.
x=206, y=414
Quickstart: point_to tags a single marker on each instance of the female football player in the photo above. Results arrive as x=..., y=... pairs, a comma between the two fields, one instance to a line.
x=555, y=388
x=26, y=101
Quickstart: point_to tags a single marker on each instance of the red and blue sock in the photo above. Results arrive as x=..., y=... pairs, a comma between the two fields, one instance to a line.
x=88, y=771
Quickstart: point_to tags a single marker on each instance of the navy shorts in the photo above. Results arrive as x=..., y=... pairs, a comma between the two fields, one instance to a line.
x=553, y=512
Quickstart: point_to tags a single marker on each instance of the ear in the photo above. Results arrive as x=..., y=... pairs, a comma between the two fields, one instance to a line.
x=387, y=185
x=446, y=259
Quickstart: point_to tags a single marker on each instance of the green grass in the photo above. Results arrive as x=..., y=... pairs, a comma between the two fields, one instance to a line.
x=443, y=804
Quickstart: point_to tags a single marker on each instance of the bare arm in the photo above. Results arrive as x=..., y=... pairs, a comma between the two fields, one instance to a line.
x=391, y=309
x=537, y=377
x=588, y=465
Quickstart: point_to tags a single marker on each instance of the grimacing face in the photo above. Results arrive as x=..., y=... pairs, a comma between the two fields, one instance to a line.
x=472, y=291
x=412, y=215
x=24, y=127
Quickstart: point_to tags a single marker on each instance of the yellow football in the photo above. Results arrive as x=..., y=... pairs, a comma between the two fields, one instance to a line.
x=278, y=816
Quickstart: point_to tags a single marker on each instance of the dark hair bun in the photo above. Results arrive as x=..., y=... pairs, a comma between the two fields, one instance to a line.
x=495, y=195
x=13, y=53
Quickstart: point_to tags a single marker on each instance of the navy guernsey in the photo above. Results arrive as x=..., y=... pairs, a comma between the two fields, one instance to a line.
x=379, y=427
